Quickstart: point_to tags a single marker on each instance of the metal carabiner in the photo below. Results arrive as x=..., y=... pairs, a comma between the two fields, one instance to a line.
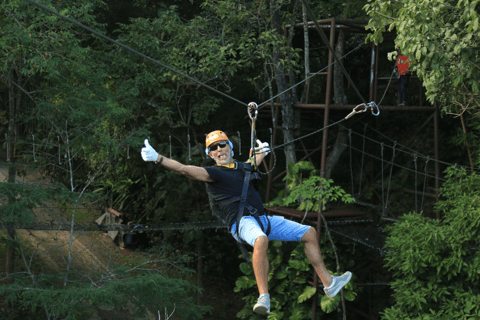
x=373, y=105
x=254, y=106
x=354, y=111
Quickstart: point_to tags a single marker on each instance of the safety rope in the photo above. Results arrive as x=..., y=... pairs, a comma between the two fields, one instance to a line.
x=252, y=109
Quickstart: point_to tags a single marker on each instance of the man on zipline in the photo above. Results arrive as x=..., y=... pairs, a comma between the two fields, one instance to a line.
x=230, y=188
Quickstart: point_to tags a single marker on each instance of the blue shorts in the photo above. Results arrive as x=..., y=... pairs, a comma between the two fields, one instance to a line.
x=281, y=229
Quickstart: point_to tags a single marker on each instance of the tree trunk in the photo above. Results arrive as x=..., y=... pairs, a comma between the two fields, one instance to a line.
x=286, y=100
x=341, y=141
x=10, y=258
x=338, y=83
x=306, y=42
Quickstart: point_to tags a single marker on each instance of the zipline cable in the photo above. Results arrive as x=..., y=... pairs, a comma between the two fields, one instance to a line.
x=312, y=133
x=311, y=76
x=101, y=35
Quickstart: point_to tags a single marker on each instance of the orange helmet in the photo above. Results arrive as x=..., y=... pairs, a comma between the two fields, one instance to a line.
x=215, y=136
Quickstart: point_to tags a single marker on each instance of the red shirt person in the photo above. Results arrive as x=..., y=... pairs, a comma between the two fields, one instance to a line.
x=403, y=77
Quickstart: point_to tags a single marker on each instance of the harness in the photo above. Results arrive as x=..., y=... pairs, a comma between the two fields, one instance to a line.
x=220, y=202
x=250, y=174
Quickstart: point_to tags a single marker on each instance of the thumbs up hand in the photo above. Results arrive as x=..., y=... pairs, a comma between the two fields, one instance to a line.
x=148, y=153
x=262, y=147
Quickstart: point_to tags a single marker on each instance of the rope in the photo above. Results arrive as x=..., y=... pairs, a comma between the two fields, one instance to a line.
x=388, y=85
x=382, y=251
x=412, y=153
x=397, y=165
x=363, y=157
x=390, y=178
x=101, y=35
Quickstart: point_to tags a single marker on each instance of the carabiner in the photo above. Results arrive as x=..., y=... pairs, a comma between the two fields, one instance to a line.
x=354, y=111
x=372, y=106
x=252, y=107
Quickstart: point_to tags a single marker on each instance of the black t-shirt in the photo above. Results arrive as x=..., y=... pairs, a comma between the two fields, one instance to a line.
x=226, y=190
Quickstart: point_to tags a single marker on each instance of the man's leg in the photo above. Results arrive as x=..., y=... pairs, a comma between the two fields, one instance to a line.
x=260, y=264
x=399, y=90
x=332, y=284
x=260, y=268
x=312, y=250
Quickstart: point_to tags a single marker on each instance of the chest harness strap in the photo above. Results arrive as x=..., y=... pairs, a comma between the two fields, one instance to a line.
x=249, y=175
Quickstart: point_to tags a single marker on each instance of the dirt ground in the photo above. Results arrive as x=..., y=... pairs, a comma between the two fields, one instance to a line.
x=97, y=251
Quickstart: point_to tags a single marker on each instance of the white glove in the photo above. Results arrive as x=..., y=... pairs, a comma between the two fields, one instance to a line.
x=148, y=153
x=262, y=147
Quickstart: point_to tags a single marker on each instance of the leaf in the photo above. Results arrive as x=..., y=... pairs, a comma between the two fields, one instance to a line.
x=307, y=293
x=246, y=268
x=275, y=315
x=244, y=283
x=349, y=295
x=330, y=304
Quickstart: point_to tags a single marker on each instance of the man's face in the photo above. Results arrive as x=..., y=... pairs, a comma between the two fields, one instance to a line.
x=222, y=152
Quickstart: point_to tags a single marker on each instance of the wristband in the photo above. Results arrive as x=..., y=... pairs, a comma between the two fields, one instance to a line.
x=161, y=160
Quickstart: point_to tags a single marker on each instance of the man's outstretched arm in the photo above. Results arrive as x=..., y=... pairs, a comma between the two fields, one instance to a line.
x=193, y=172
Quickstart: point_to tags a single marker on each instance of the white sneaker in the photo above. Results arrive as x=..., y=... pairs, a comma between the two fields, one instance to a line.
x=263, y=304
x=338, y=282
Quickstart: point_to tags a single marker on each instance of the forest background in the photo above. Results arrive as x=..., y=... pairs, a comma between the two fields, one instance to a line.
x=77, y=108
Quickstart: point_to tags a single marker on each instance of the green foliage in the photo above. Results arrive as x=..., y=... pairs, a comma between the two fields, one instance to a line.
x=311, y=191
x=441, y=39
x=290, y=293
x=25, y=198
x=435, y=265
x=141, y=290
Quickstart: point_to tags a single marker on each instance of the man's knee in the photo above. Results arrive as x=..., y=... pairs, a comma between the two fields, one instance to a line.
x=310, y=235
x=261, y=243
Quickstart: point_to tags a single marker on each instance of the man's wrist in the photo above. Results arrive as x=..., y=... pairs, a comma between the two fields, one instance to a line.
x=159, y=159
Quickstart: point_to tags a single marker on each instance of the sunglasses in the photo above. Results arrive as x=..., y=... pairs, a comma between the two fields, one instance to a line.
x=221, y=145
